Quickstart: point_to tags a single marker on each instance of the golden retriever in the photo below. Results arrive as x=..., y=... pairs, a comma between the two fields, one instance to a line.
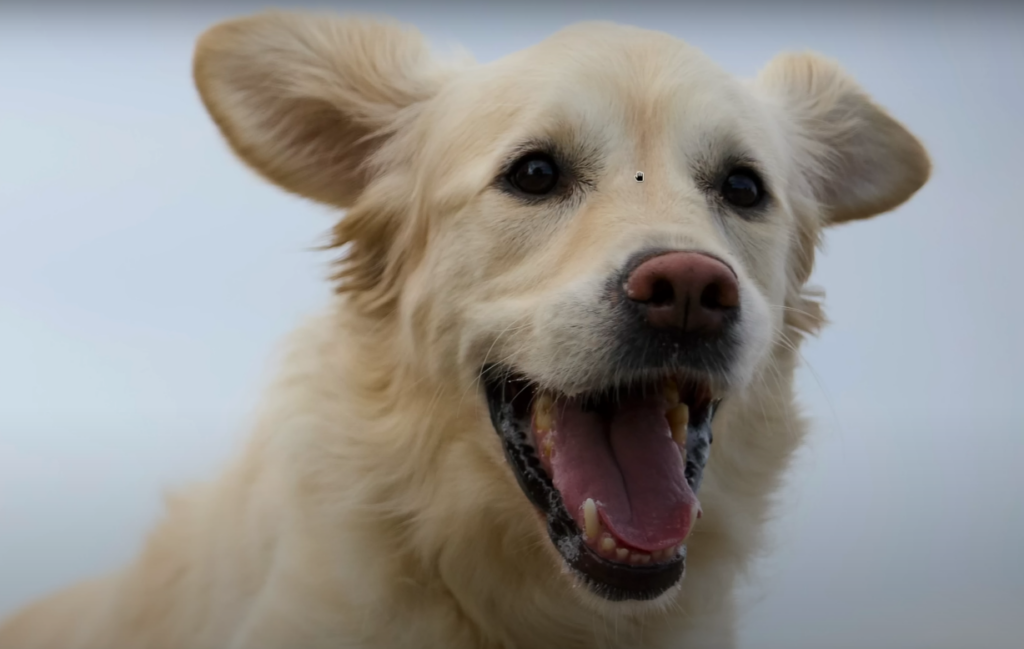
x=559, y=272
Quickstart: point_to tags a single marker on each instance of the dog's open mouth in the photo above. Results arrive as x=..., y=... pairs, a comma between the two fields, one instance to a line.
x=615, y=472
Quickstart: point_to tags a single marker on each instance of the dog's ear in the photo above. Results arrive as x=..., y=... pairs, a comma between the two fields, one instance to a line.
x=859, y=161
x=307, y=100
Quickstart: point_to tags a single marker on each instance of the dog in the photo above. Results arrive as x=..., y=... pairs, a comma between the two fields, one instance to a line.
x=552, y=400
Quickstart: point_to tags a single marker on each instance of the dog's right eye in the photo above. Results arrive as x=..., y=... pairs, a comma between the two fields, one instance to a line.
x=534, y=173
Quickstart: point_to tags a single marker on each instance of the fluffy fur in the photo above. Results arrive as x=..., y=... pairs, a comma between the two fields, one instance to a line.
x=373, y=507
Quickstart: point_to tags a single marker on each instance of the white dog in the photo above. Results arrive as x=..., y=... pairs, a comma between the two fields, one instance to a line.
x=561, y=272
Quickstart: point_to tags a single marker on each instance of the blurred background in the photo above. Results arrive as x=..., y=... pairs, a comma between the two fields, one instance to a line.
x=146, y=279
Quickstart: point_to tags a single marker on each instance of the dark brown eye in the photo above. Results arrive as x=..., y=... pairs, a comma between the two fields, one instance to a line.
x=534, y=173
x=743, y=188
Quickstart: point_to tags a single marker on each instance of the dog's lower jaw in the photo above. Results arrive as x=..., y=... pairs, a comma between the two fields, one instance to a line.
x=472, y=546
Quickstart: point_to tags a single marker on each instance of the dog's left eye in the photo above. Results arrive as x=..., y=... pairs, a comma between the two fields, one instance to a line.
x=534, y=173
x=743, y=188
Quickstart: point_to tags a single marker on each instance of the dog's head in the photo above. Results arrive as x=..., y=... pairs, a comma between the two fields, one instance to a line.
x=603, y=236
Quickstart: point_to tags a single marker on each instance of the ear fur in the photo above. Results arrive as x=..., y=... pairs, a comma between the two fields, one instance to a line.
x=858, y=160
x=307, y=100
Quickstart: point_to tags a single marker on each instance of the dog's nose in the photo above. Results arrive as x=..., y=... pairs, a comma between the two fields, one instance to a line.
x=687, y=291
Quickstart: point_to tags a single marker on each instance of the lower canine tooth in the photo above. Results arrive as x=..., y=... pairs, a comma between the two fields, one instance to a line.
x=591, y=528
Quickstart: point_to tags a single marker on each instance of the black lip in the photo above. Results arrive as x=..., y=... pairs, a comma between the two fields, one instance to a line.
x=613, y=581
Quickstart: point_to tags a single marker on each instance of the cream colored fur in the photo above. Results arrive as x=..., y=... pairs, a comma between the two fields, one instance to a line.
x=373, y=507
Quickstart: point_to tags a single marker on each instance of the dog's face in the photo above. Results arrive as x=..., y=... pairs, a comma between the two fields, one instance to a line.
x=603, y=236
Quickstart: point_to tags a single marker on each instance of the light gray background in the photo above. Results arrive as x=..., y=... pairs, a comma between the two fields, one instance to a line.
x=146, y=277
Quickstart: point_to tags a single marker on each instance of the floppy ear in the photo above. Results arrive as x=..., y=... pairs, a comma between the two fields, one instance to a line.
x=307, y=100
x=859, y=161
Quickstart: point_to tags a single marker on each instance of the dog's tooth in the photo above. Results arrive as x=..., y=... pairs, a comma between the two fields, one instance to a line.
x=607, y=543
x=681, y=549
x=591, y=526
x=671, y=393
x=547, y=447
x=678, y=420
x=679, y=417
x=542, y=416
x=621, y=554
x=640, y=558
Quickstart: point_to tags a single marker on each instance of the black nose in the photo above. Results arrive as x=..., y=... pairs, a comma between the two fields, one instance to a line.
x=689, y=292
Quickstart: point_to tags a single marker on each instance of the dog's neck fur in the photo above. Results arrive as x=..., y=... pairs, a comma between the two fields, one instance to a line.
x=429, y=523
x=339, y=512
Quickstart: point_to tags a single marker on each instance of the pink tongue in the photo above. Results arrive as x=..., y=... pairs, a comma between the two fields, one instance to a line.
x=631, y=467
